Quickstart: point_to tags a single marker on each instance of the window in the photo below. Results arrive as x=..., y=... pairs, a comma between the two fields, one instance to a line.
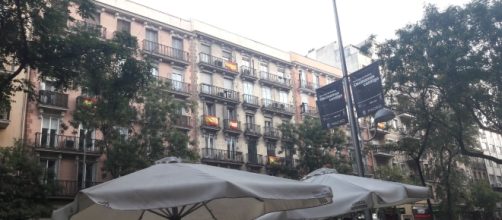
x=245, y=62
x=303, y=77
x=49, y=167
x=266, y=92
x=283, y=96
x=209, y=108
x=124, y=26
x=316, y=81
x=123, y=132
x=155, y=70
x=177, y=79
x=231, y=146
x=491, y=178
x=249, y=118
x=270, y=149
x=178, y=48
x=231, y=114
x=268, y=124
x=227, y=56
x=305, y=98
x=90, y=174
x=248, y=87
x=86, y=139
x=50, y=129
x=228, y=84
x=209, y=141
x=264, y=70
x=205, y=55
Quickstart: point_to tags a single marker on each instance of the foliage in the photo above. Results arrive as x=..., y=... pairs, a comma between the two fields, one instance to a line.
x=34, y=34
x=391, y=173
x=23, y=194
x=485, y=199
x=449, y=62
x=313, y=143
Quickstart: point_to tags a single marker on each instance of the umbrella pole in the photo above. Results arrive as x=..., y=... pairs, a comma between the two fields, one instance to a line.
x=210, y=212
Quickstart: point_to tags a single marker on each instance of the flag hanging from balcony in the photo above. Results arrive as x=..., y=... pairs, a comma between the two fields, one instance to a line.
x=211, y=120
x=231, y=66
x=233, y=125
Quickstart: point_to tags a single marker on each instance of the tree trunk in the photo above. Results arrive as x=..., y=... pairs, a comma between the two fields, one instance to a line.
x=422, y=179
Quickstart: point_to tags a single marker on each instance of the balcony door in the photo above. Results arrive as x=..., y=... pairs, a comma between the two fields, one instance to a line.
x=207, y=82
x=50, y=169
x=177, y=79
x=49, y=131
x=178, y=47
x=231, y=147
x=303, y=78
x=205, y=51
x=152, y=38
x=252, y=152
x=86, y=139
x=90, y=174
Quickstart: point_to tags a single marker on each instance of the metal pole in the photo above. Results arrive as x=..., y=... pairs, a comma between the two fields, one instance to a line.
x=354, y=131
x=84, y=166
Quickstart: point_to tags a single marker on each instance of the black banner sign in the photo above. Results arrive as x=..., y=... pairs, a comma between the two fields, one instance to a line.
x=331, y=105
x=367, y=90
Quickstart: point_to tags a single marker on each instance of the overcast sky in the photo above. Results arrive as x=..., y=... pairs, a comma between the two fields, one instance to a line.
x=299, y=25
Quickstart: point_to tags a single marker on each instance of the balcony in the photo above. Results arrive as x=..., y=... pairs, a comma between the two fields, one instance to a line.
x=67, y=188
x=232, y=126
x=88, y=27
x=252, y=130
x=217, y=156
x=53, y=100
x=280, y=161
x=379, y=132
x=307, y=87
x=381, y=153
x=250, y=102
x=216, y=64
x=275, y=80
x=248, y=73
x=52, y=142
x=279, y=108
x=256, y=160
x=177, y=88
x=310, y=111
x=210, y=122
x=174, y=55
x=4, y=119
x=183, y=122
x=271, y=133
x=214, y=92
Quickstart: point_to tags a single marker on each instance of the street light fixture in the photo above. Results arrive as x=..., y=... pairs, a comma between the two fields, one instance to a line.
x=382, y=115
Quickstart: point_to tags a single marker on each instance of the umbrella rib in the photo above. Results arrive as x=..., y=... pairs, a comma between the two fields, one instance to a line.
x=209, y=210
x=182, y=209
x=159, y=214
x=193, y=208
x=141, y=216
x=166, y=212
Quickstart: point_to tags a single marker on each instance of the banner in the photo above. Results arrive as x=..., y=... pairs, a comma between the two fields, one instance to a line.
x=366, y=87
x=331, y=105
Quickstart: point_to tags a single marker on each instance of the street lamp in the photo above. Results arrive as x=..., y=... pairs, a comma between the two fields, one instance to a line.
x=382, y=115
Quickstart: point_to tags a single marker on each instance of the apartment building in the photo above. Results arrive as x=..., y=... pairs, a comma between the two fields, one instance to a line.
x=491, y=144
x=12, y=120
x=244, y=91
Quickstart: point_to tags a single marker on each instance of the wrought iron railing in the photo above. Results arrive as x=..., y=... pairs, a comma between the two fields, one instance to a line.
x=304, y=84
x=87, y=26
x=231, y=124
x=222, y=155
x=51, y=98
x=165, y=51
x=175, y=85
x=248, y=72
x=219, y=92
x=183, y=121
x=257, y=159
x=309, y=110
x=250, y=99
x=67, y=188
x=270, y=132
x=278, y=106
x=51, y=140
x=252, y=129
x=273, y=78
x=218, y=62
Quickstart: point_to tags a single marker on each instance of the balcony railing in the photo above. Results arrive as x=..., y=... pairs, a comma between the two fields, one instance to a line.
x=250, y=100
x=67, y=188
x=306, y=85
x=53, y=99
x=165, y=51
x=383, y=153
x=219, y=63
x=183, y=121
x=53, y=141
x=270, y=132
x=248, y=73
x=89, y=27
x=280, y=161
x=222, y=155
x=219, y=93
x=232, y=125
x=252, y=130
x=256, y=159
x=278, y=107
x=210, y=122
x=309, y=110
x=273, y=79
x=176, y=86
x=4, y=118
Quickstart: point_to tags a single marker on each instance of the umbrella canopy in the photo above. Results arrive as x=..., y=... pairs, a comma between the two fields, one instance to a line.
x=353, y=193
x=192, y=191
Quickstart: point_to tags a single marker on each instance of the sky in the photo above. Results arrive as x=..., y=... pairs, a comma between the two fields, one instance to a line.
x=301, y=25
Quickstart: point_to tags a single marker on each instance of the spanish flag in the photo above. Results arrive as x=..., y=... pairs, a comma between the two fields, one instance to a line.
x=211, y=120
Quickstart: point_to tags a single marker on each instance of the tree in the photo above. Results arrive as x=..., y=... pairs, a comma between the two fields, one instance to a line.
x=451, y=60
x=34, y=34
x=314, y=144
x=390, y=173
x=485, y=199
x=23, y=194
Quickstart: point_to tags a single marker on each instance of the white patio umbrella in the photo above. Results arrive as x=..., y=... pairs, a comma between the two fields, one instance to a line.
x=352, y=194
x=192, y=191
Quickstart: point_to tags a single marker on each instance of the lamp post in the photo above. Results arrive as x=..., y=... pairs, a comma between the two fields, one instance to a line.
x=380, y=116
